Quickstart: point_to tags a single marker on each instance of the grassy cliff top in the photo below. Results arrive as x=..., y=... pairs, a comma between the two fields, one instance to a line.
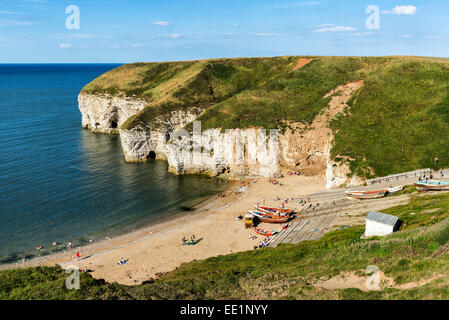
x=398, y=121
x=417, y=252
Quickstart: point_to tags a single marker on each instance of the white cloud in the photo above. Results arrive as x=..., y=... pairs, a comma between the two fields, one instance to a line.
x=175, y=35
x=294, y=5
x=65, y=45
x=402, y=10
x=407, y=36
x=336, y=29
x=136, y=45
x=431, y=36
x=362, y=34
x=161, y=23
x=271, y=34
x=14, y=23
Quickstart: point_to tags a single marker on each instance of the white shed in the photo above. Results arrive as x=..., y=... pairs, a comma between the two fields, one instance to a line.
x=380, y=224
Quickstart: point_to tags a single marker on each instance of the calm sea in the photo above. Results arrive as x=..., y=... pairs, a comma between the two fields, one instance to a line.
x=61, y=183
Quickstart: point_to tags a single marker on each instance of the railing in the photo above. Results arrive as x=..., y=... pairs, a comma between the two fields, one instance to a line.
x=400, y=176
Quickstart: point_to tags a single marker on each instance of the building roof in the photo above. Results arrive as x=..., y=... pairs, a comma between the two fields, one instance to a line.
x=382, y=218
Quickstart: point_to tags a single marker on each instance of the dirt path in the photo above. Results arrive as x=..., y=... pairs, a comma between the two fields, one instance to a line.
x=302, y=62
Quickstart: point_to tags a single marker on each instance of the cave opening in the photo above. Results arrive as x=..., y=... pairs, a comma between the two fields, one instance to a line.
x=114, y=125
x=151, y=155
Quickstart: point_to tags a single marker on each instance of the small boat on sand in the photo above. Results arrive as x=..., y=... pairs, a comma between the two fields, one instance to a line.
x=274, y=210
x=394, y=189
x=264, y=217
x=365, y=194
x=431, y=185
x=264, y=232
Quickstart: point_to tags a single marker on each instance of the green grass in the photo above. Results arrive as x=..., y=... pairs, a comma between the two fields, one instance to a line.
x=286, y=272
x=398, y=121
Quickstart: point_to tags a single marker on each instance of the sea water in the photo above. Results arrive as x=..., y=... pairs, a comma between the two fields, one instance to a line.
x=61, y=183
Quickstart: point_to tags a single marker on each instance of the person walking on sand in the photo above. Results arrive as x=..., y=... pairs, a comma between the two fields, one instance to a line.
x=77, y=255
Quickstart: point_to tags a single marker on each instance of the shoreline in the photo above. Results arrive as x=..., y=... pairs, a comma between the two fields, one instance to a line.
x=126, y=230
x=156, y=249
x=159, y=222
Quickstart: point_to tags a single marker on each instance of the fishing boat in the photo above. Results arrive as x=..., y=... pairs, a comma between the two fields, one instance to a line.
x=431, y=185
x=264, y=232
x=274, y=210
x=394, y=189
x=264, y=217
x=365, y=194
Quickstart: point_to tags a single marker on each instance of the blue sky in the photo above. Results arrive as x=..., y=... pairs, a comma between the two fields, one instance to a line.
x=139, y=30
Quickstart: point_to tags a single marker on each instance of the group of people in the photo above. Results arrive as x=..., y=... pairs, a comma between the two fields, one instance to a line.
x=122, y=262
x=262, y=244
x=190, y=242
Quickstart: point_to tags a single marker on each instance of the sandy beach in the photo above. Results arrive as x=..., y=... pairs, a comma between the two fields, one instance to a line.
x=156, y=249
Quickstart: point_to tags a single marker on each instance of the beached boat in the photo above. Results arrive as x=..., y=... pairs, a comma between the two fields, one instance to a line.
x=365, y=194
x=264, y=232
x=394, y=189
x=274, y=210
x=264, y=217
x=431, y=185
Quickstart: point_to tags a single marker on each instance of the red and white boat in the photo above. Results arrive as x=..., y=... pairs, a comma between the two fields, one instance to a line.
x=269, y=218
x=264, y=232
x=276, y=211
x=365, y=194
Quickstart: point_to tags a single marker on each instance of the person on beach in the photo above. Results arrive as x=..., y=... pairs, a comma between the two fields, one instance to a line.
x=184, y=241
x=78, y=255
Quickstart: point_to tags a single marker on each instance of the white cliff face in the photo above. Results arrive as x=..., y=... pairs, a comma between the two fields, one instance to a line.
x=233, y=154
x=139, y=142
x=106, y=113
x=338, y=174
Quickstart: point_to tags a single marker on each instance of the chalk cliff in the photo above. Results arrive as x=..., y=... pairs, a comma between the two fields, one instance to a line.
x=233, y=153
x=344, y=118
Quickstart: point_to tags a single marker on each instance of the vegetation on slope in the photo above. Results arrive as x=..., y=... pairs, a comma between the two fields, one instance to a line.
x=418, y=251
x=398, y=121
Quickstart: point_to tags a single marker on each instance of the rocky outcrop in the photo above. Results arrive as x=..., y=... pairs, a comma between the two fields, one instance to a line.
x=233, y=153
x=106, y=113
